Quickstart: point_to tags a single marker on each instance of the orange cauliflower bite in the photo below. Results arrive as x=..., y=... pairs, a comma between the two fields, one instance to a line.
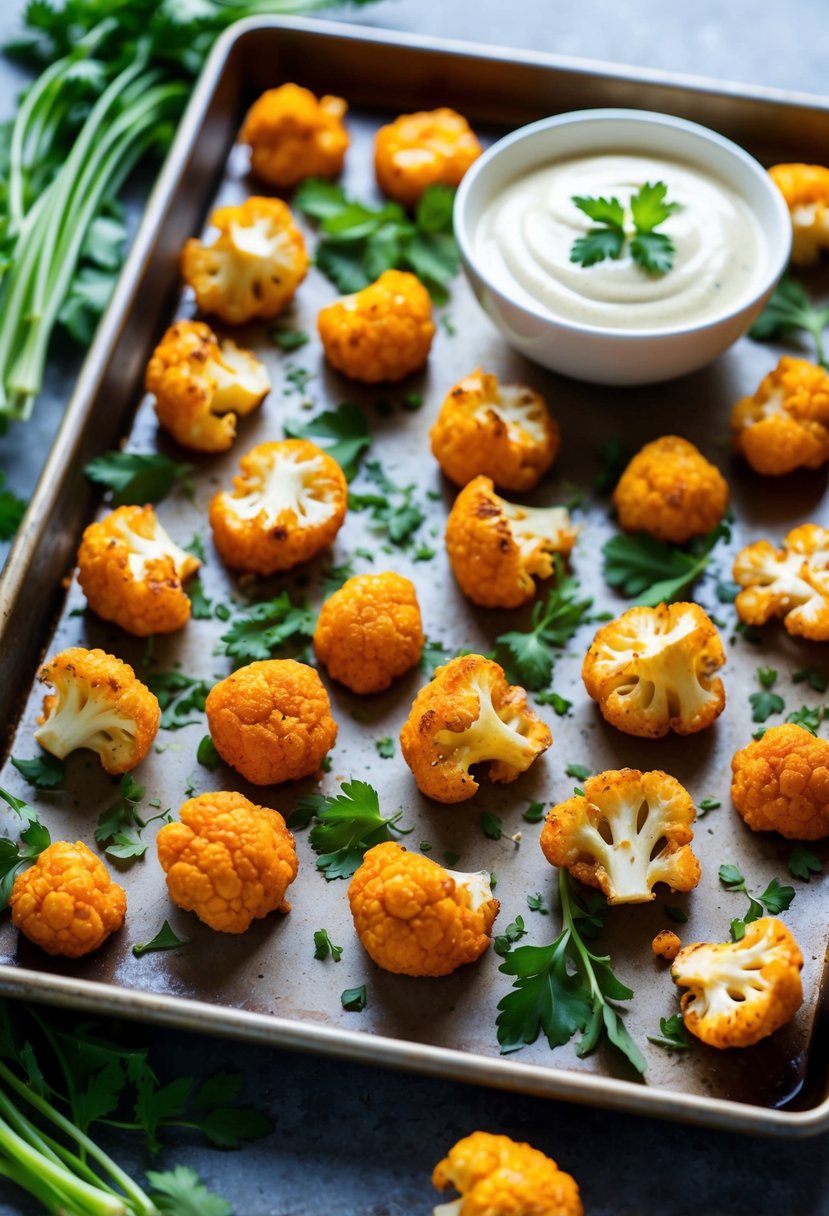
x=99, y=703
x=741, y=992
x=496, y=548
x=666, y=945
x=286, y=506
x=66, y=902
x=497, y=1176
x=227, y=860
x=294, y=135
x=131, y=572
x=780, y=783
x=381, y=333
x=502, y=431
x=271, y=721
x=468, y=714
x=429, y=148
x=630, y=831
x=652, y=671
x=670, y=491
x=792, y=582
x=254, y=266
x=806, y=191
x=785, y=425
x=369, y=632
x=413, y=917
x=201, y=386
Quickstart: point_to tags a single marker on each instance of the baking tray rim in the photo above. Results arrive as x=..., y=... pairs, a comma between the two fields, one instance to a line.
x=208, y=1018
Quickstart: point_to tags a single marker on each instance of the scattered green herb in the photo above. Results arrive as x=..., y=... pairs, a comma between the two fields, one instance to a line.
x=354, y=999
x=503, y=943
x=119, y=827
x=560, y=704
x=165, y=939
x=348, y=824
x=180, y=1192
x=269, y=627
x=206, y=753
x=534, y=813
x=44, y=772
x=342, y=432
x=577, y=771
x=385, y=747
x=707, y=804
x=727, y=592
x=530, y=656
x=491, y=825
x=803, y=863
x=394, y=513
x=614, y=457
x=788, y=310
x=810, y=719
x=767, y=676
x=814, y=678
x=34, y=838
x=196, y=547
x=676, y=913
x=181, y=697
x=288, y=339
x=134, y=478
x=653, y=251
x=324, y=947
x=336, y=576
x=433, y=656
x=775, y=899
x=764, y=704
x=535, y=903
x=655, y=573
x=672, y=1034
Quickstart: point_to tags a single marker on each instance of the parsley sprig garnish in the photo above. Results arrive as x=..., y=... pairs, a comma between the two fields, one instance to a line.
x=529, y=656
x=789, y=310
x=181, y=697
x=655, y=573
x=268, y=627
x=564, y=988
x=14, y=858
x=653, y=251
x=342, y=432
x=775, y=899
x=135, y=478
x=120, y=826
x=347, y=826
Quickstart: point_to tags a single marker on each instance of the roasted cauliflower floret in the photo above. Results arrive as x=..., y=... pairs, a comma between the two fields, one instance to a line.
x=66, y=902
x=227, y=860
x=670, y=491
x=785, y=425
x=271, y=721
x=131, y=572
x=468, y=714
x=630, y=831
x=201, y=386
x=383, y=332
x=666, y=945
x=254, y=266
x=792, y=582
x=369, y=632
x=497, y=548
x=502, y=431
x=741, y=992
x=286, y=506
x=294, y=135
x=98, y=703
x=413, y=917
x=780, y=783
x=806, y=191
x=652, y=671
x=432, y=147
x=497, y=1176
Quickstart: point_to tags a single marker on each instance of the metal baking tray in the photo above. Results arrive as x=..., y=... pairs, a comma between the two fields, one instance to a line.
x=265, y=985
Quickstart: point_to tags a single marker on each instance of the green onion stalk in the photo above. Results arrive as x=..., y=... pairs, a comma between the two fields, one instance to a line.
x=114, y=82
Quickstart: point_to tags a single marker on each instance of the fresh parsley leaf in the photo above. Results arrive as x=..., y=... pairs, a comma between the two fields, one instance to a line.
x=119, y=827
x=814, y=678
x=394, y=512
x=135, y=478
x=433, y=656
x=34, y=838
x=653, y=251
x=648, y=207
x=767, y=676
x=535, y=903
x=86, y=302
x=602, y=210
x=181, y=697
x=206, y=753
x=324, y=948
x=727, y=592
x=354, y=999
x=534, y=813
x=676, y=913
x=577, y=771
x=790, y=309
x=596, y=245
x=653, y=572
x=451, y=858
x=347, y=826
x=810, y=719
x=268, y=627
x=196, y=547
x=12, y=510
x=492, y=826
x=44, y=772
x=803, y=863
x=385, y=747
x=336, y=576
x=672, y=1034
x=764, y=704
x=288, y=339
x=503, y=943
x=559, y=704
x=165, y=939
x=707, y=804
x=614, y=457
x=530, y=656
x=775, y=899
x=343, y=433
x=748, y=633
x=201, y=608
x=180, y=1192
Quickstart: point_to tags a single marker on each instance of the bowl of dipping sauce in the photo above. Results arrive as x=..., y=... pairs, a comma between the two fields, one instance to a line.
x=615, y=321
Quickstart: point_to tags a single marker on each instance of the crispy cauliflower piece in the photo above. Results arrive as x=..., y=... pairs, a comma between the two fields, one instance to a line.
x=201, y=386
x=369, y=632
x=666, y=945
x=785, y=425
x=381, y=333
x=413, y=917
x=780, y=783
x=806, y=191
x=66, y=902
x=792, y=582
x=227, y=860
x=740, y=992
x=502, y=431
x=497, y=1176
x=630, y=831
x=99, y=703
x=670, y=491
x=431, y=147
x=469, y=715
x=496, y=548
x=254, y=266
x=294, y=135
x=131, y=572
x=286, y=506
x=271, y=721
x=652, y=671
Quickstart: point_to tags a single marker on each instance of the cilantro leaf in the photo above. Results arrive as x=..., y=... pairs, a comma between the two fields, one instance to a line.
x=288, y=339
x=791, y=309
x=385, y=747
x=503, y=943
x=347, y=826
x=775, y=899
x=653, y=572
x=577, y=771
x=342, y=432
x=535, y=903
x=206, y=753
x=767, y=676
x=814, y=678
x=491, y=825
x=560, y=704
x=764, y=704
x=201, y=608
x=165, y=939
x=648, y=206
x=596, y=245
x=134, y=478
x=803, y=863
x=267, y=627
x=531, y=655
x=336, y=576
x=672, y=1034
x=180, y=1192
x=34, y=838
x=45, y=772
x=653, y=251
x=119, y=827
x=810, y=719
x=534, y=813
x=180, y=697
x=324, y=948
x=433, y=656
x=707, y=804
x=393, y=511
x=602, y=210
x=354, y=999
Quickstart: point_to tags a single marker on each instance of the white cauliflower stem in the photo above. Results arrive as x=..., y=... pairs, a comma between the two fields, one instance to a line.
x=144, y=549
x=478, y=886
x=241, y=381
x=82, y=719
x=520, y=408
x=792, y=582
x=491, y=736
x=532, y=525
x=285, y=482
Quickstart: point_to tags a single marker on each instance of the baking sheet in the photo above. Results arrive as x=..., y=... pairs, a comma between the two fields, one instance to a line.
x=266, y=983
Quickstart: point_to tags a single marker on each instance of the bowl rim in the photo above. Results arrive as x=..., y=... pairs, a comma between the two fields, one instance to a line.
x=651, y=118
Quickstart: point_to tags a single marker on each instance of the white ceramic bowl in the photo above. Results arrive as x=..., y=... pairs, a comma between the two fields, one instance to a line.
x=605, y=355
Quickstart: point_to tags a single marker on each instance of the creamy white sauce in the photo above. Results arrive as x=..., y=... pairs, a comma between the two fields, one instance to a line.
x=526, y=233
